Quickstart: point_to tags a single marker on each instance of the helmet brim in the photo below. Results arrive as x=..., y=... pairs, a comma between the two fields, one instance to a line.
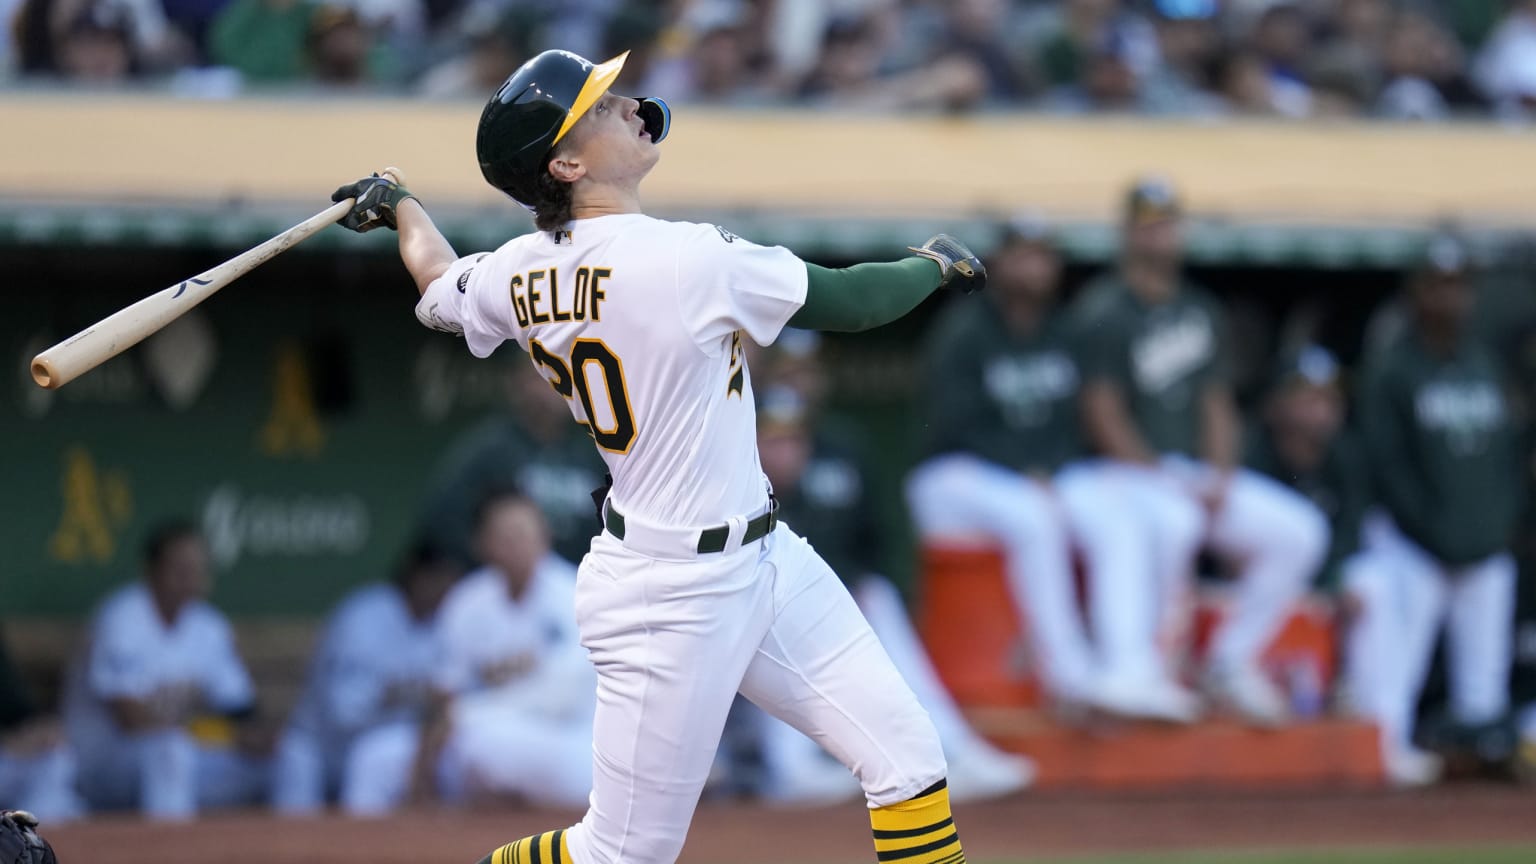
x=598, y=81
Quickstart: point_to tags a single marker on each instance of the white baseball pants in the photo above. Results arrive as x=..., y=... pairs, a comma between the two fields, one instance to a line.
x=1275, y=536
x=960, y=499
x=674, y=640
x=1406, y=596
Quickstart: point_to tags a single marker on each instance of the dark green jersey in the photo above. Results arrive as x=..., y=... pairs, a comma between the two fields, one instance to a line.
x=499, y=453
x=1009, y=400
x=1441, y=440
x=829, y=508
x=1161, y=356
x=1340, y=486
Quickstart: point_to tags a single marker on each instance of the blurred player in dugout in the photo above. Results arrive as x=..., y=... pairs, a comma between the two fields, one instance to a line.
x=370, y=677
x=1006, y=465
x=533, y=447
x=159, y=707
x=37, y=767
x=822, y=487
x=513, y=692
x=1158, y=410
x=1444, y=445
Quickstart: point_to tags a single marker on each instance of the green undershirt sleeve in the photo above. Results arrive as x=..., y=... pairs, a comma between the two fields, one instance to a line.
x=864, y=296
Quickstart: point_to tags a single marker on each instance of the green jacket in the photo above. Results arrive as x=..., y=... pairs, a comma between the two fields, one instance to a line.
x=1009, y=400
x=1443, y=447
x=499, y=453
x=1340, y=486
x=829, y=507
x=1162, y=357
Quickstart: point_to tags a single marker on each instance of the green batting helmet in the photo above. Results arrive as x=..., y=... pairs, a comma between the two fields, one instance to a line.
x=534, y=110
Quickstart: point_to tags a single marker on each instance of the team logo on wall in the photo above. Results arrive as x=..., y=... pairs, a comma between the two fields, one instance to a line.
x=179, y=359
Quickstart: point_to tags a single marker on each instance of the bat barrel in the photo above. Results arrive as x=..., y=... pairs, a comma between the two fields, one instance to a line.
x=127, y=327
x=44, y=373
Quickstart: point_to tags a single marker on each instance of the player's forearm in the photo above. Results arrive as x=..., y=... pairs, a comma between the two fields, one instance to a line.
x=864, y=296
x=1108, y=425
x=425, y=251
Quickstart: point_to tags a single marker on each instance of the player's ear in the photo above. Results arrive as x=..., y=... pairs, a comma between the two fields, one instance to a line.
x=567, y=168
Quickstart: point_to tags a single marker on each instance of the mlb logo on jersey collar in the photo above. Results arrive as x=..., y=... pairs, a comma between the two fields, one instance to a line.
x=563, y=236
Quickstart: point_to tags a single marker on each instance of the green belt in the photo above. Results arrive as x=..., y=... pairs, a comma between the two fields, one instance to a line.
x=710, y=539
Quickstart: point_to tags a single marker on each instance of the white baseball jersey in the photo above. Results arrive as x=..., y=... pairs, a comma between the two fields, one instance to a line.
x=500, y=653
x=637, y=323
x=371, y=645
x=134, y=654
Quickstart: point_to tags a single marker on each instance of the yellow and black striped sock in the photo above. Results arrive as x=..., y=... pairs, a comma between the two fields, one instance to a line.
x=546, y=848
x=920, y=830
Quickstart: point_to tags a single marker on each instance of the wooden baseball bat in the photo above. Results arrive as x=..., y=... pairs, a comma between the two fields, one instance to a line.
x=127, y=327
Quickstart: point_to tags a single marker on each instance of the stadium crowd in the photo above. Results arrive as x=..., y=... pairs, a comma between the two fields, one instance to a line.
x=1399, y=59
x=1099, y=426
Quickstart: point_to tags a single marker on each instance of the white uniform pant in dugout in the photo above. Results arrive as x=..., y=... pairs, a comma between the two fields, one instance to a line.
x=1406, y=598
x=673, y=641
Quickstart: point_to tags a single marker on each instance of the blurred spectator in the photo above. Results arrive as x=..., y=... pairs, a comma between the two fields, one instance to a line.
x=371, y=674
x=37, y=768
x=1441, y=442
x=161, y=710
x=341, y=51
x=1108, y=83
x=851, y=74
x=264, y=40
x=1188, y=43
x=96, y=47
x=1506, y=69
x=1250, y=89
x=978, y=30
x=822, y=494
x=516, y=692
x=1082, y=30
x=1423, y=71
x=491, y=53
x=532, y=447
x=1001, y=468
x=1158, y=407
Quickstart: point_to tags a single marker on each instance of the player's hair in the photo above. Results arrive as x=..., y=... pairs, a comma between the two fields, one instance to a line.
x=495, y=497
x=551, y=201
x=163, y=534
x=424, y=552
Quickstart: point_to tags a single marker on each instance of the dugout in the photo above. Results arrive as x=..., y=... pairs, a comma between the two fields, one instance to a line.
x=298, y=412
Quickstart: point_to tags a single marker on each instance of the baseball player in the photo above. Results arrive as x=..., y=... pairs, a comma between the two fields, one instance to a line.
x=533, y=448
x=37, y=768
x=154, y=706
x=1442, y=444
x=1301, y=441
x=1158, y=408
x=514, y=715
x=822, y=487
x=1004, y=466
x=373, y=671
x=693, y=591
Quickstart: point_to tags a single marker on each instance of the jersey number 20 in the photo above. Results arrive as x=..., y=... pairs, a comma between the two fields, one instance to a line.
x=617, y=435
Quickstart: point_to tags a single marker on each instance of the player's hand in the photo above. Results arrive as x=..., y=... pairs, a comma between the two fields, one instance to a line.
x=375, y=200
x=958, y=266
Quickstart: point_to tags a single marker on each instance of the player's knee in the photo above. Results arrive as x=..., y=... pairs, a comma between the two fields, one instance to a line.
x=1299, y=532
x=916, y=761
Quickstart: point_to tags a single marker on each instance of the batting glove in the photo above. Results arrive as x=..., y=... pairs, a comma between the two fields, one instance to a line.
x=375, y=200
x=958, y=266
